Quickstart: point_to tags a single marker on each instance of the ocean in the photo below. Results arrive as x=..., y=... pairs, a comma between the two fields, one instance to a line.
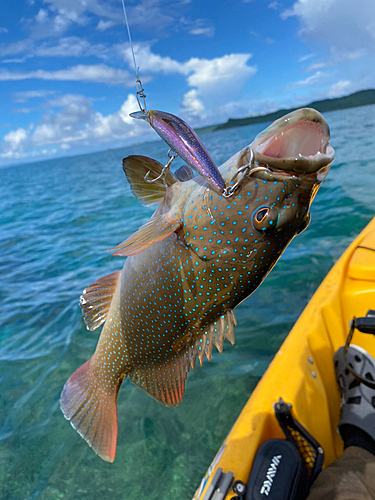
x=57, y=219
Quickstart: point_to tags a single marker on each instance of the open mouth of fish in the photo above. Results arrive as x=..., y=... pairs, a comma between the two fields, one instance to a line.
x=297, y=142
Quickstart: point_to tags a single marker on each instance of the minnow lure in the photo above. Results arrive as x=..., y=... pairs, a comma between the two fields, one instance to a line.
x=182, y=139
x=188, y=267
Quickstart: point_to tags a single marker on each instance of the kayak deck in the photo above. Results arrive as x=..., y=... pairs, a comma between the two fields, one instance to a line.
x=302, y=372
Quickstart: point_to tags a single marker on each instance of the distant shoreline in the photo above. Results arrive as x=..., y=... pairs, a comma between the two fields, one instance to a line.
x=360, y=98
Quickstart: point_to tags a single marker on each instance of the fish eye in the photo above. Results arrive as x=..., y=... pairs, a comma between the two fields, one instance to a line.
x=261, y=214
x=265, y=219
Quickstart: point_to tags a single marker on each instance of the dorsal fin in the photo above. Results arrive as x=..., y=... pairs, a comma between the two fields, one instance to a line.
x=136, y=168
x=156, y=229
x=96, y=300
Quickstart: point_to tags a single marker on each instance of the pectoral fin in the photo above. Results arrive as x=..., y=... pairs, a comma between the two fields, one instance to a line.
x=96, y=300
x=156, y=229
x=136, y=167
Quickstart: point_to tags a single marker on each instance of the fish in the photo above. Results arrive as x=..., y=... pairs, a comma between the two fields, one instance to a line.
x=182, y=139
x=189, y=266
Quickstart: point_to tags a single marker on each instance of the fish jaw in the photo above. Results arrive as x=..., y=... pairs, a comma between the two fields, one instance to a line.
x=297, y=142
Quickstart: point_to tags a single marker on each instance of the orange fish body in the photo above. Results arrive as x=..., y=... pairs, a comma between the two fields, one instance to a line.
x=198, y=257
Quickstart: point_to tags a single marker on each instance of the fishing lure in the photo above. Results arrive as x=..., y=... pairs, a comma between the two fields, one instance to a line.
x=182, y=139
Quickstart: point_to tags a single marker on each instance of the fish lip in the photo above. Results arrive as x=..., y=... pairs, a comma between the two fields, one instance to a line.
x=271, y=173
x=297, y=142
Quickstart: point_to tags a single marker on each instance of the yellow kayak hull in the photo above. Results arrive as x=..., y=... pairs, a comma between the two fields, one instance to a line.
x=302, y=372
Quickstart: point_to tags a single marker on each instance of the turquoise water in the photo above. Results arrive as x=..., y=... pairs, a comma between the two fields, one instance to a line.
x=57, y=218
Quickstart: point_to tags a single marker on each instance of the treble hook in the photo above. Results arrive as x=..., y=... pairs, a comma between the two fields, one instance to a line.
x=244, y=170
x=171, y=155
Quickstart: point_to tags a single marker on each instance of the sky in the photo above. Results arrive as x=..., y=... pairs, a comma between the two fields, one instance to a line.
x=67, y=78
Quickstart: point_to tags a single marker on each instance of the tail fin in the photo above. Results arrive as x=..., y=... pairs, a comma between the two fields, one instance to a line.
x=92, y=410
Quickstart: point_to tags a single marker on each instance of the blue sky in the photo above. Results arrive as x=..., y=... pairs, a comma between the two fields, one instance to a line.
x=67, y=77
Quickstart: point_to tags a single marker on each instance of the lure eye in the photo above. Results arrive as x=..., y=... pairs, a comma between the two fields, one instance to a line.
x=265, y=219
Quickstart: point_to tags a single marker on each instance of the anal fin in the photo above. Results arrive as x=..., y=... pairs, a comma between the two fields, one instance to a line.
x=96, y=300
x=164, y=381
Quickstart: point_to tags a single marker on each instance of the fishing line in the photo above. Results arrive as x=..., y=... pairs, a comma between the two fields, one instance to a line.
x=140, y=91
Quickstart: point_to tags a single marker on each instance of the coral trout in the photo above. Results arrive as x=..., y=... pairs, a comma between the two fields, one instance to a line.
x=189, y=266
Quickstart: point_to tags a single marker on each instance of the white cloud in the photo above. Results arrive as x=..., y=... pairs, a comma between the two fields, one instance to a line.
x=317, y=66
x=14, y=138
x=210, y=77
x=64, y=100
x=219, y=73
x=148, y=61
x=205, y=74
x=99, y=73
x=273, y=5
x=15, y=48
x=198, y=27
x=59, y=15
x=75, y=125
x=30, y=94
x=14, y=60
x=24, y=111
x=3, y=30
x=104, y=25
x=211, y=80
x=343, y=87
x=208, y=32
x=317, y=79
x=345, y=25
x=305, y=58
x=72, y=46
x=48, y=23
x=192, y=105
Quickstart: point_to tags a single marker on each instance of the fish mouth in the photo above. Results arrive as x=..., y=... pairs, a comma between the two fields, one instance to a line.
x=297, y=142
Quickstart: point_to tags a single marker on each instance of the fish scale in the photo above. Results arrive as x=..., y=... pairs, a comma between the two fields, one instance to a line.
x=200, y=255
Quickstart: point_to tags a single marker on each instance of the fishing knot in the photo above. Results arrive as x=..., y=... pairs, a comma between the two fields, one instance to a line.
x=140, y=94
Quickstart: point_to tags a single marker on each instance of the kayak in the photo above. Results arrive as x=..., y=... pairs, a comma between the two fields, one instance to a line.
x=302, y=371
